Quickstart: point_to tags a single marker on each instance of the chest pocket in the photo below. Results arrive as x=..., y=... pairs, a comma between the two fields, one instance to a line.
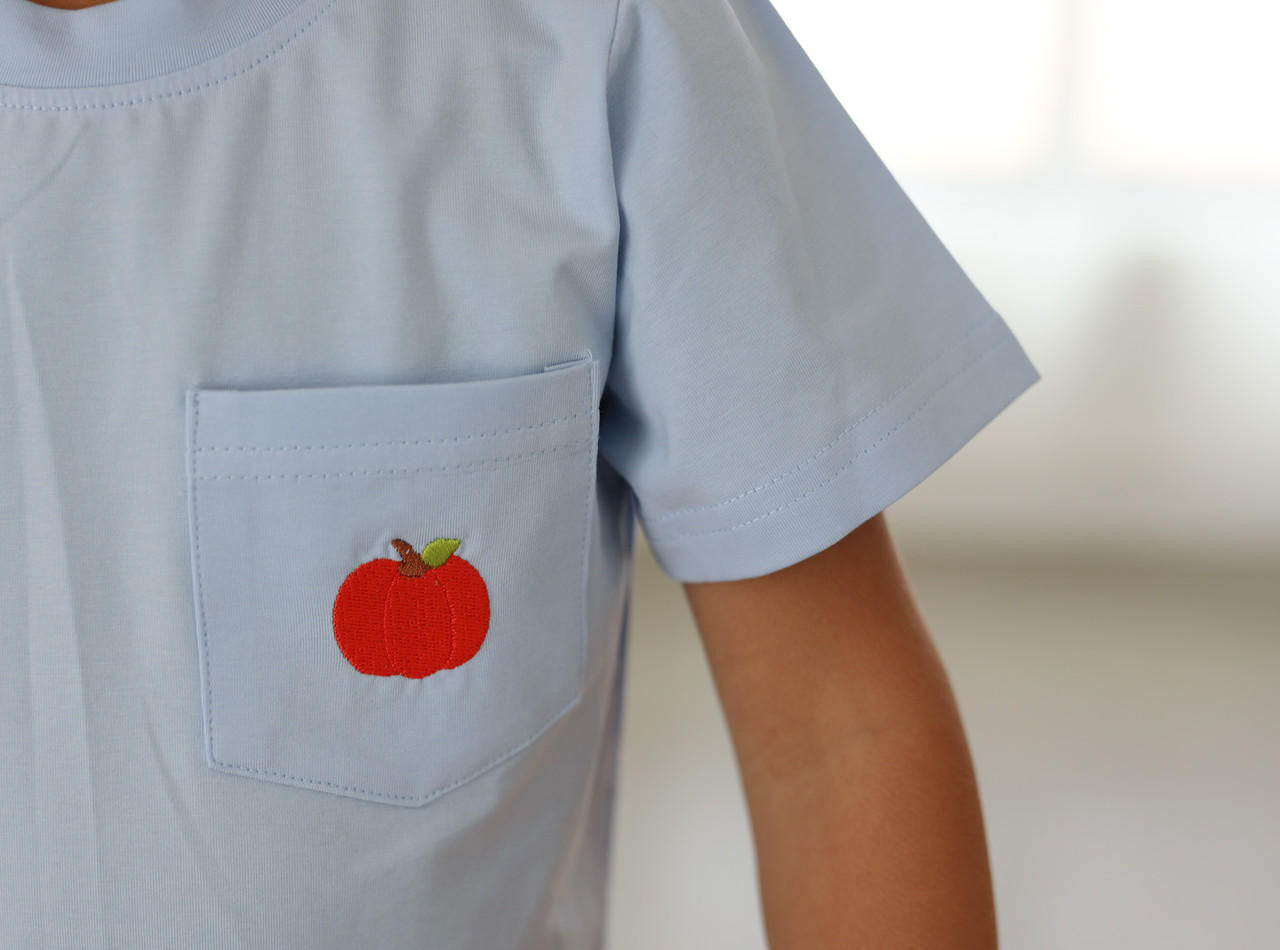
x=389, y=580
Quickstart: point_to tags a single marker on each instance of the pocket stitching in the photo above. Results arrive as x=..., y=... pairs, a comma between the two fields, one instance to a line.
x=474, y=463
x=371, y=793
x=402, y=442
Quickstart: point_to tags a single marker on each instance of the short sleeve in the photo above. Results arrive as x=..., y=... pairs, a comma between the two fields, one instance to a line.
x=794, y=348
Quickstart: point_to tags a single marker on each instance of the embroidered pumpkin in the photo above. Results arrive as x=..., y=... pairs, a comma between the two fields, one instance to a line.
x=413, y=617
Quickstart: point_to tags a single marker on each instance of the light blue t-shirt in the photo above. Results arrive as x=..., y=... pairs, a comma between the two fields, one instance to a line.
x=342, y=344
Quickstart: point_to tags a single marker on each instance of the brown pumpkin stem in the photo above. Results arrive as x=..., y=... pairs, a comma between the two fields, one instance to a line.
x=411, y=563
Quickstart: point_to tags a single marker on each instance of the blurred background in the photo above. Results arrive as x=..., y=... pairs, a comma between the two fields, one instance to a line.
x=1100, y=566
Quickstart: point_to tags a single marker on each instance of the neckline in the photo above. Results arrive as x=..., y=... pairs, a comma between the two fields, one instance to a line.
x=125, y=41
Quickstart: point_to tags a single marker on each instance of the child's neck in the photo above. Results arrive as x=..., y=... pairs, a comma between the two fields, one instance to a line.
x=70, y=4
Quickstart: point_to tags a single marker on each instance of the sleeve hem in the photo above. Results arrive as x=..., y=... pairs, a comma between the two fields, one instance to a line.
x=926, y=423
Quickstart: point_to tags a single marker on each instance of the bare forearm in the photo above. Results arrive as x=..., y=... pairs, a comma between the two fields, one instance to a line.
x=876, y=839
x=857, y=774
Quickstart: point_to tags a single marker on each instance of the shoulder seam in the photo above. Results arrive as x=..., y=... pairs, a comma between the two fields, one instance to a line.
x=613, y=35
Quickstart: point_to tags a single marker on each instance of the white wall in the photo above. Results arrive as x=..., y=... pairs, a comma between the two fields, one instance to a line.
x=1108, y=173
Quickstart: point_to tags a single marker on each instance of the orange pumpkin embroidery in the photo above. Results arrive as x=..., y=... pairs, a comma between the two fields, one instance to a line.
x=413, y=617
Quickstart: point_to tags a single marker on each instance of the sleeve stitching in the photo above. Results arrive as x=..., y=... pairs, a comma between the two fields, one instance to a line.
x=946, y=382
x=821, y=450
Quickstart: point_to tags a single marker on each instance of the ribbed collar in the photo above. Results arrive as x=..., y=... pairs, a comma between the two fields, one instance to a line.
x=123, y=40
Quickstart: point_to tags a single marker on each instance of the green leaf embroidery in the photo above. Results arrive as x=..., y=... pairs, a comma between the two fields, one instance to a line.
x=438, y=551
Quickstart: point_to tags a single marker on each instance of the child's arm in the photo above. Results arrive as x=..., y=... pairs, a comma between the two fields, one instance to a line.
x=858, y=782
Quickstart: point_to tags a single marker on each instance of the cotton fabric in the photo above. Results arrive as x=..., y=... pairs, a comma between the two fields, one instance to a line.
x=283, y=281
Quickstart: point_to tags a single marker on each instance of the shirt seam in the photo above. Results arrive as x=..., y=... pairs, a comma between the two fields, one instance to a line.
x=8, y=103
x=884, y=403
x=613, y=36
x=662, y=537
